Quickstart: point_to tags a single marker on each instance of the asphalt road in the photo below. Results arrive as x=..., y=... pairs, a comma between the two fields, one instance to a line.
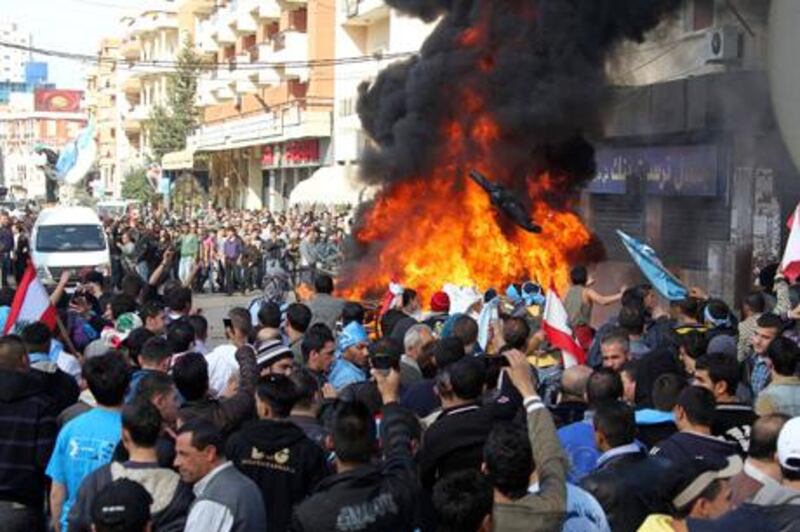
x=215, y=307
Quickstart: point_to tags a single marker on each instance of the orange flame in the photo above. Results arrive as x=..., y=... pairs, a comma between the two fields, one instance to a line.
x=441, y=228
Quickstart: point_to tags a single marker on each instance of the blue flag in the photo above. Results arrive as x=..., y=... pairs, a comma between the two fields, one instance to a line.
x=645, y=258
x=77, y=157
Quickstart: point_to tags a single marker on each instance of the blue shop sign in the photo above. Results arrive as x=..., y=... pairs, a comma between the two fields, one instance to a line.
x=668, y=170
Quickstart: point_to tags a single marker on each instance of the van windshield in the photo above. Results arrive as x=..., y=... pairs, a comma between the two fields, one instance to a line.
x=70, y=238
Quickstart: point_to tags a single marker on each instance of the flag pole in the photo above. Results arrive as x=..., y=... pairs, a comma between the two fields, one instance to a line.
x=65, y=335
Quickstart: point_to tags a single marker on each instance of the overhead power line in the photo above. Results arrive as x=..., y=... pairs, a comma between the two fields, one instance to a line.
x=206, y=65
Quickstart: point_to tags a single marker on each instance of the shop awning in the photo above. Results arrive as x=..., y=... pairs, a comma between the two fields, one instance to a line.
x=331, y=185
x=178, y=160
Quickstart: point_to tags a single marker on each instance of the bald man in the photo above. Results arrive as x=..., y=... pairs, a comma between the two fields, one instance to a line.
x=572, y=398
x=761, y=466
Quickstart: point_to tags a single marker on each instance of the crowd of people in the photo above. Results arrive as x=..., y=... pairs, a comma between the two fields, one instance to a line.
x=449, y=414
x=228, y=251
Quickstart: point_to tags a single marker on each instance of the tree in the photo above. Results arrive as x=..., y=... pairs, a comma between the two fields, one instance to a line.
x=170, y=124
x=136, y=186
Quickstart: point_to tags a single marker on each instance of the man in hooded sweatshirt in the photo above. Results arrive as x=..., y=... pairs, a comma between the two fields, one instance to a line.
x=276, y=454
x=694, y=414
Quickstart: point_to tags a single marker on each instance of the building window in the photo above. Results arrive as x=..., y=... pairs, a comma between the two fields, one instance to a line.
x=703, y=16
x=298, y=20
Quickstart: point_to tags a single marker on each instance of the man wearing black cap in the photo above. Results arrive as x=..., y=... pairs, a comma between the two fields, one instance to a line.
x=122, y=505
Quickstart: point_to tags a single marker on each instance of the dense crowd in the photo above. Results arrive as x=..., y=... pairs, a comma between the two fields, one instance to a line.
x=321, y=415
x=227, y=250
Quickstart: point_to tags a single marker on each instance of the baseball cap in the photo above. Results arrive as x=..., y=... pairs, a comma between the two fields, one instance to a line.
x=270, y=351
x=123, y=504
x=789, y=445
x=698, y=474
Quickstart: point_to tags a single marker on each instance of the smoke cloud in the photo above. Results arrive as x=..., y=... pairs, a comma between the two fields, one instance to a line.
x=544, y=82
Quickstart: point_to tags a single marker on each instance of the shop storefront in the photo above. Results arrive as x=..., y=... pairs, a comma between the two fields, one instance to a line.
x=284, y=165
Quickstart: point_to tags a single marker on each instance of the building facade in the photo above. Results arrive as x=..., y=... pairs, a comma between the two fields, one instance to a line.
x=106, y=105
x=267, y=103
x=150, y=43
x=47, y=117
x=692, y=160
x=366, y=28
x=12, y=60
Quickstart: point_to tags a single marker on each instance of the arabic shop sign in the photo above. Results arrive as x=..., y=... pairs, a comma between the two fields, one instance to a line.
x=667, y=170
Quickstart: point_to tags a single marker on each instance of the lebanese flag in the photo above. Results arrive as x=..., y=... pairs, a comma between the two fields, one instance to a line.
x=31, y=303
x=555, y=323
x=790, y=265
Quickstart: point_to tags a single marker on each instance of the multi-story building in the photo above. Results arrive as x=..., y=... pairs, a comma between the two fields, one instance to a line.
x=267, y=105
x=106, y=104
x=47, y=117
x=366, y=28
x=148, y=51
x=13, y=60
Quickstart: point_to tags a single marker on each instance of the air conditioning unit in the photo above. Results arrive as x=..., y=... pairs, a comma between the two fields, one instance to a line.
x=723, y=45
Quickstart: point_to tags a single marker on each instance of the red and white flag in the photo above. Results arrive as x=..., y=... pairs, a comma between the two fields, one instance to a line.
x=790, y=265
x=555, y=323
x=31, y=303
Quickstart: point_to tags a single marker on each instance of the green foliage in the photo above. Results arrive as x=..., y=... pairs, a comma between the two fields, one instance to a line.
x=136, y=186
x=169, y=125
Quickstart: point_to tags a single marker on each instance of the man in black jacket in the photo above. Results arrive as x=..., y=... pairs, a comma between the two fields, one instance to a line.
x=694, y=414
x=60, y=386
x=276, y=454
x=733, y=420
x=191, y=377
x=627, y=482
x=454, y=441
x=362, y=496
x=27, y=435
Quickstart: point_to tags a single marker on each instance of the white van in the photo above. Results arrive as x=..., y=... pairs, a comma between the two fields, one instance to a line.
x=68, y=238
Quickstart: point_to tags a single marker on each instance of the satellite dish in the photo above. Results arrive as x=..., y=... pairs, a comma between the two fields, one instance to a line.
x=784, y=74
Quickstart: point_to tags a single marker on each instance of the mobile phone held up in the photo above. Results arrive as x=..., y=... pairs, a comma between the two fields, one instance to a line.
x=226, y=322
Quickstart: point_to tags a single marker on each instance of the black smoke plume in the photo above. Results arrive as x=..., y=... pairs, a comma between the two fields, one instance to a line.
x=545, y=85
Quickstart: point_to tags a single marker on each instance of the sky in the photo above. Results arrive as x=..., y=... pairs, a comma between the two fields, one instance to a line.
x=68, y=25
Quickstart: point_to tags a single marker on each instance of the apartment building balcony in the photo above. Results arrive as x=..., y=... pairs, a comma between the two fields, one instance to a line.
x=205, y=86
x=222, y=32
x=135, y=118
x=267, y=77
x=150, y=22
x=221, y=87
x=242, y=20
x=291, y=47
x=132, y=85
x=292, y=4
x=130, y=48
x=267, y=9
x=364, y=12
x=203, y=41
x=201, y=7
